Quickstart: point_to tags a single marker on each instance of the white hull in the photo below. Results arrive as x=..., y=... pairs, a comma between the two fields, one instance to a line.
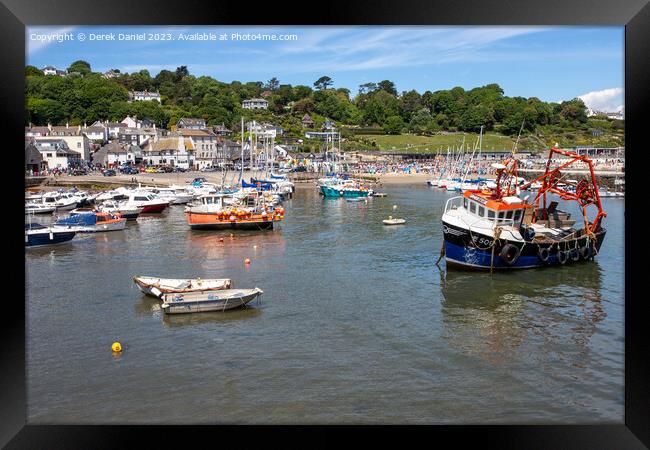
x=176, y=285
x=208, y=301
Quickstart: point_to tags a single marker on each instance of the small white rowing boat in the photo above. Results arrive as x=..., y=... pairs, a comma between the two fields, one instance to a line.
x=175, y=285
x=207, y=301
x=391, y=221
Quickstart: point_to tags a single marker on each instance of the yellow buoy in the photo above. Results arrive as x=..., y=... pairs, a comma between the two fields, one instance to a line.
x=116, y=347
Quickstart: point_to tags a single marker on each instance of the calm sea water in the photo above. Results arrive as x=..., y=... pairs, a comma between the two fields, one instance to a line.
x=357, y=325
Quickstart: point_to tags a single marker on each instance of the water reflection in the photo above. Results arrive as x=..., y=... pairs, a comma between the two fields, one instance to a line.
x=224, y=317
x=499, y=313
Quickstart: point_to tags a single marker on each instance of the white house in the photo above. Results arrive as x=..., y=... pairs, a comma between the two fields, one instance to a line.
x=114, y=154
x=113, y=73
x=190, y=123
x=137, y=136
x=51, y=70
x=145, y=96
x=204, y=143
x=173, y=150
x=95, y=132
x=255, y=103
x=55, y=152
x=74, y=137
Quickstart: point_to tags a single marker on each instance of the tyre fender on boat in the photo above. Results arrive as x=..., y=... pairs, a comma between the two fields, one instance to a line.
x=574, y=253
x=544, y=254
x=585, y=252
x=510, y=254
x=562, y=256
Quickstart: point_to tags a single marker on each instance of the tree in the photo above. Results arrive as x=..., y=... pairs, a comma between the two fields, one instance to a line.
x=379, y=107
x=272, y=84
x=388, y=86
x=393, y=125
x=31, y=70
x=367, y=88
x=181, y=72
x=80, y=66
x=323, y=83
x=421, y=121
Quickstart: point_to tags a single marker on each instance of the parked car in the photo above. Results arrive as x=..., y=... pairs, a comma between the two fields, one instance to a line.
x=209, y=169
x=109, y=173
x=150, y=170
x=129, y=170
x=179, y=169
x=77, y=172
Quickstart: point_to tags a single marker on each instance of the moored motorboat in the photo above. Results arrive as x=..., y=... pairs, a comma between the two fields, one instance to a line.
x=92, y=222
x=38, y=235
x=208, y=301
x=149, y=202
x=121, y=208
x=38, y=208
x=179, y=285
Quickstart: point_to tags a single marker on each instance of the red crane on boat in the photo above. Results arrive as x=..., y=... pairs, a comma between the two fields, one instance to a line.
x=586, y=191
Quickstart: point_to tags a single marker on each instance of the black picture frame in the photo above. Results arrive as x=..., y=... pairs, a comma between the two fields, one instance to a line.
x=634, y=15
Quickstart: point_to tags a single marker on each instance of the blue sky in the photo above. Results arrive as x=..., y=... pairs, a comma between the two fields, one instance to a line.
x=551, y=63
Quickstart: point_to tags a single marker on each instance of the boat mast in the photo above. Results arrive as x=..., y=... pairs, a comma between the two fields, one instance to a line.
x=241, y=174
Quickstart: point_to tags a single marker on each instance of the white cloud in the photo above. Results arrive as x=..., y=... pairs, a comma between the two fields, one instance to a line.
x=606, y=100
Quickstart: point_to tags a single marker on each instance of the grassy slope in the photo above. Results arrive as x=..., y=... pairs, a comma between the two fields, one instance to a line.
x=542, y=139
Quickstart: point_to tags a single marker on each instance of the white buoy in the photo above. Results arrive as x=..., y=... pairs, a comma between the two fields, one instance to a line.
x=394, y=206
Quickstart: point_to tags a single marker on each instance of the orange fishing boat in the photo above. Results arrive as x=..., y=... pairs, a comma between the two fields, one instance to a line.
x=213, y=214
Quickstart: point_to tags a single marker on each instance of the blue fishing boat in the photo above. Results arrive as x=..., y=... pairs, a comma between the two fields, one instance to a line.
x=344, y=190
x=495, y=229
x=38, y=235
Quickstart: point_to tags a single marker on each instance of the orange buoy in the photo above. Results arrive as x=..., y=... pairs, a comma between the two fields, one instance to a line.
x=247, y=261
x=220, y=239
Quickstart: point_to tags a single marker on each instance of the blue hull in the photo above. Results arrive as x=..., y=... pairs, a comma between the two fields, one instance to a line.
x=333, y=192
x=38, y=239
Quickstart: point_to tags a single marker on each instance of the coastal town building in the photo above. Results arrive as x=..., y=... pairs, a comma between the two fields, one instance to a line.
x=255, y=103
x=190, y=123
x=137, y=136
x=172, y=150
x=33, y=159
x=75, y=138
x=307, y=121
x=204, y=143
x=116, y=154
x=56, y=153
x=144, y=96
x=113, y=73
x=221, y=130
x=51, y=70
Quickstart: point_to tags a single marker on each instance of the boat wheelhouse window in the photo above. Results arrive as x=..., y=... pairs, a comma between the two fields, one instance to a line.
x=509, y=214
x=141, y=199
x=490, y=214
x=472, y=207
x=517, y=215
x=481, y=211
x=501, y=215
x=465, y=203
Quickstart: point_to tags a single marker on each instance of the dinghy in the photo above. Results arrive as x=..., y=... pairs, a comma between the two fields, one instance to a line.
x=391, y=221
x=175, y=286
x=207, y=301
